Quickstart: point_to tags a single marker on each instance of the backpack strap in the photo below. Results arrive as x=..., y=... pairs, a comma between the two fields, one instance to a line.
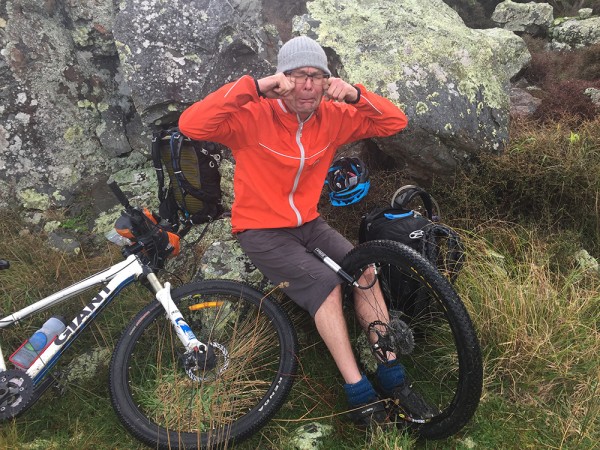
x=454, y=256
x=158, y=165
x=175, y=146
x=212, y=202
x=365, y=222
x=403, y=196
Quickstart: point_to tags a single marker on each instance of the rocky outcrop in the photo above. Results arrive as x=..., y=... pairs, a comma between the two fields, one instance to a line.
x=594, y=95
x=537, y=19
x=452, y=81
x=65, y=108
x=530, y=18
x=84, y=80
x=175, y=53
x=575, y=32
x=522, y=103
x=455, y=94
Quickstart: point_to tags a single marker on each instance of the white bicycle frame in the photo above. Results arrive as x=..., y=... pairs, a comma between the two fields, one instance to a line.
x=118, y=276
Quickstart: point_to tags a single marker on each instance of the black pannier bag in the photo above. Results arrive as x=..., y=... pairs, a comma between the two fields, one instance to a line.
x=193, y=191
x=421, y=231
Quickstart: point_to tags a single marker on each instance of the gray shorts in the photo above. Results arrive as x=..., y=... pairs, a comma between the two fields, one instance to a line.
x=281, y=255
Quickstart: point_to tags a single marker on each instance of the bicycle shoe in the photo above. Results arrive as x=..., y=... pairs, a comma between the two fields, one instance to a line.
x=412, y=402
x=368, y=414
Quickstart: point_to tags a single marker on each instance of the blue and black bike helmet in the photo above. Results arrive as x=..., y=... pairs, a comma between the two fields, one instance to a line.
x=348, y=181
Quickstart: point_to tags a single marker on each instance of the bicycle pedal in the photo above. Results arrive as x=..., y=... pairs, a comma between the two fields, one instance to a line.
x=397, y=413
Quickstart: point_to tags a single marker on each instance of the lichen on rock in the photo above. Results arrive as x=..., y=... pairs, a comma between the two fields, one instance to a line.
x=408, y=50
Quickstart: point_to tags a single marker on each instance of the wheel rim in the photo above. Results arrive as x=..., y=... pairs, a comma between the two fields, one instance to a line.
x=248, y=362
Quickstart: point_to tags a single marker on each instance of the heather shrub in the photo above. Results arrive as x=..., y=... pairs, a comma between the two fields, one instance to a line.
x=562, y=77
x=590, y=63
x=548, y=67
x=567, y=99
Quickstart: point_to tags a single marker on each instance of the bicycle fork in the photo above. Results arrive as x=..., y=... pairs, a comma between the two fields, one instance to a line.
x=182, y=329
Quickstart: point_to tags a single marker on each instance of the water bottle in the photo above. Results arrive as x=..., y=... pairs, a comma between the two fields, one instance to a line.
x=30, y=350
x=114, y=237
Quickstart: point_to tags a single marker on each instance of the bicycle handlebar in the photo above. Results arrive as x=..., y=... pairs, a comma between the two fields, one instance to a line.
x=132, y=249
x=137, y=216
x=119, y=194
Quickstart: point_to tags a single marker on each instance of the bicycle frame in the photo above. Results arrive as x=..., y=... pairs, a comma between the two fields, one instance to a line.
x=117, y=277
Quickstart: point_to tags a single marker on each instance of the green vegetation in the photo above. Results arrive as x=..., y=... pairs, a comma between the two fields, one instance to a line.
x=523, y=217
x=75, y=223
x=547, y=180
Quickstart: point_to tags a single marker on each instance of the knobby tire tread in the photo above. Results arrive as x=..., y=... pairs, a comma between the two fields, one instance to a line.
x=156, y=436
x=468, y=391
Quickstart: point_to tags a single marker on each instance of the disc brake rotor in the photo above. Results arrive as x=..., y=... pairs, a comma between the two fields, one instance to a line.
x=208, y=366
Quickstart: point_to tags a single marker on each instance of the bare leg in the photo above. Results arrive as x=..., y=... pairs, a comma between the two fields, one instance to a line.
x=329, y=319
x=370, y=306
x=332, y=327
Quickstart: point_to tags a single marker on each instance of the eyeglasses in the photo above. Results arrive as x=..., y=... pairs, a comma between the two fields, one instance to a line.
x=300, y=78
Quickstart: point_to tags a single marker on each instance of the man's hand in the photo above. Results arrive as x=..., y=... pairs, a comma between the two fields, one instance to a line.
x=275, y=86
x=338, y=90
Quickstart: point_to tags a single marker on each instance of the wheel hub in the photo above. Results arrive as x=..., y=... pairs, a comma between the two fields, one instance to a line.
x=207, y=365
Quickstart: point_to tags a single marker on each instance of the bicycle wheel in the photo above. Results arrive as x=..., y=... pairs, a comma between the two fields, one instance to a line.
x=435, y=342
x=232, y=395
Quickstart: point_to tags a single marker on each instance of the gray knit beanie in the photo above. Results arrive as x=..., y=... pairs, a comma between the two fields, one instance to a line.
x=301, y=51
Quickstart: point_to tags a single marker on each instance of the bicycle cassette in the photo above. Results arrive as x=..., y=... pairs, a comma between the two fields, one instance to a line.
x=395, y=336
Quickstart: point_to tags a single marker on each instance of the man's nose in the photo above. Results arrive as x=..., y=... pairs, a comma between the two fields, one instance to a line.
x=309, y=83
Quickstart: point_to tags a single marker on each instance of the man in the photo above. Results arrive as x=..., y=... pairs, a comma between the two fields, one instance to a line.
x=284, y=130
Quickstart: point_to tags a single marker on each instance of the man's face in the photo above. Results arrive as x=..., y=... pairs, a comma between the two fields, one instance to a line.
x=310, y=83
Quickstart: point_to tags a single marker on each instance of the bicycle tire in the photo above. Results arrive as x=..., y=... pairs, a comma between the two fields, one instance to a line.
x=445, y=364
x=255, y=346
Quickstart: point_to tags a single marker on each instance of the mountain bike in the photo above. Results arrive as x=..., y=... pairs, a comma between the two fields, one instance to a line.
x=203, y=365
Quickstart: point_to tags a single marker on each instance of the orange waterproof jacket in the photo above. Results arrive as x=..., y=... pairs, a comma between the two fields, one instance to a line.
x=282, y=162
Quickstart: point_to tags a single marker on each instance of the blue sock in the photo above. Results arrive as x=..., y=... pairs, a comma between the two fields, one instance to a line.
x=360, y=393
x=390, y=376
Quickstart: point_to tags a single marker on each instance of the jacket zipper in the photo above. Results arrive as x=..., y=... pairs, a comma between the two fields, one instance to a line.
x=300, y=169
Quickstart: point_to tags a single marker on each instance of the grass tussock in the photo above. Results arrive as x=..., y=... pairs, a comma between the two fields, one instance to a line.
x=550, y=66
x=539, y=330
x=547, y=179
